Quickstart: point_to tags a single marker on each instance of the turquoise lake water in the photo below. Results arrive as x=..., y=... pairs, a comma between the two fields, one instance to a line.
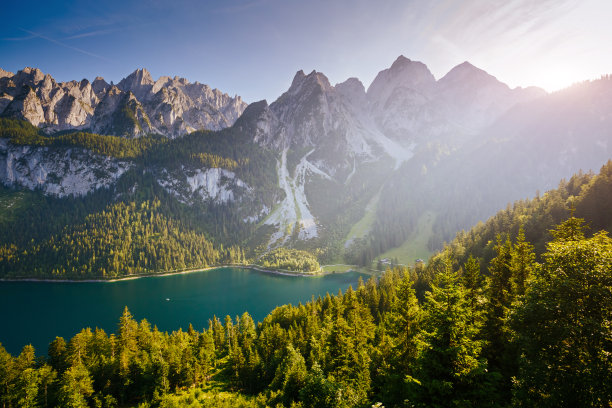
x=35, y=312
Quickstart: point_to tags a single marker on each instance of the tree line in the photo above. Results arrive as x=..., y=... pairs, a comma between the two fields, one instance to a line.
x=21, y=132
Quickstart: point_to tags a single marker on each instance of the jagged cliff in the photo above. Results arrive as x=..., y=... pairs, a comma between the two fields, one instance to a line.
x=137, y=105
x=58, y=171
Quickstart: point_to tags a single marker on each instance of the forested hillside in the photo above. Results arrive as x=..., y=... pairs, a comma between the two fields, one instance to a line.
x=525, y=334
x=585, y=195
x=345, y=173
x=122, y=240
x=139, y=224
x=527, y=149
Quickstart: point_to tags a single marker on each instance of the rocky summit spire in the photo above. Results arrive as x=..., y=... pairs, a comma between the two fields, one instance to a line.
x=402, y=73
x=138, y=82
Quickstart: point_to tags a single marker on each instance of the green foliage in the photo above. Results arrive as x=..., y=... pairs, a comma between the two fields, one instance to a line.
x=253, y=164
x=528, y=335
x=290, y=259
x=563, y=327
x=450, y=370
x=76, y=385
x=472, y=283
x=31, y=221
x=290, y=375
x=23, y=133
x=197, y=398
x=584, y=195
x=123, y=239
x=211, y=160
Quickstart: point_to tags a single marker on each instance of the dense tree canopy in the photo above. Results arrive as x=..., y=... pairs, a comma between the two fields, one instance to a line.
x=469, y=342
x=121, y=240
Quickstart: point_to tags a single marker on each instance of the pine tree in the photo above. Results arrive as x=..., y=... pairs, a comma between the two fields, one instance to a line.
x=290, y=375
x=75, y=387
x=400, y=327
x=563, y=327
x=8, y=375
x=523, y=258
x=473, y=285
x=500, y=299
x=47, y=376
x=449, y=370
x=28, y=383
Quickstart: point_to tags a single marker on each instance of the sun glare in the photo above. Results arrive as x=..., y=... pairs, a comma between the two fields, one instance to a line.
x=554, y=78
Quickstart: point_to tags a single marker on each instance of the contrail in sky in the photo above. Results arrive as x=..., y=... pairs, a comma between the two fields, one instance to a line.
x=91, y=54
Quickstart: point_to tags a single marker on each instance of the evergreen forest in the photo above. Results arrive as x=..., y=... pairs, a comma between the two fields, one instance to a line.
x=513, y=324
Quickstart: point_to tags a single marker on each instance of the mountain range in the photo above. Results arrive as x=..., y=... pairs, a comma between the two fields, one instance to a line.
x=137, y=105
x=337, y=169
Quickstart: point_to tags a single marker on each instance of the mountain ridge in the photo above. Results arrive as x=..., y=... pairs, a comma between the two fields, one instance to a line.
x=168, y=106
x=330, y=150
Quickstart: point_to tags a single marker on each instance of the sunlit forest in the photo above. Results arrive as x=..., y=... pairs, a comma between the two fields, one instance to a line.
x=509, y=332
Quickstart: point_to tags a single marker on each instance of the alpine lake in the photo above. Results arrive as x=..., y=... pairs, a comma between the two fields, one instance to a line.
x=36, y=312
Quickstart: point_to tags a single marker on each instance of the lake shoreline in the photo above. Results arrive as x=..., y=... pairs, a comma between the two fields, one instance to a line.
x=148, y=275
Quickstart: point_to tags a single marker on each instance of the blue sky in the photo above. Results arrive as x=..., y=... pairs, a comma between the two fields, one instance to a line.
x=254, y=47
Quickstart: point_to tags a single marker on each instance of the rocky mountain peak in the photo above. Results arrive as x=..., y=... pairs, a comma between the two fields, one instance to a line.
x=99, y=85
x=5, y=74
x=473, y=98
x=403, y=73
x=28, y=76
x=142, y=76
x=400, y=62
x=161, y=82
x=251, y=116
x=313, y=81
x=139, y=82
x=353, y=90
x=467, y=74
x=181, y=108
x=297, y=78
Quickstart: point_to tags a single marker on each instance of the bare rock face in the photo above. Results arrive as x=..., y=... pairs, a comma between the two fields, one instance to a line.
x=177, y=106
x=100, y=86
x=5, y=74
x=121, y=113
x=410, y=106
x=58, y=171
x=26, y=105
x=191, y=185
x=137, y=105
x=403, y=73
x=473, y=99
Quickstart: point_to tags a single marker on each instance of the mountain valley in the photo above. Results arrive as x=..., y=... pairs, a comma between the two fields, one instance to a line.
x=302, y=171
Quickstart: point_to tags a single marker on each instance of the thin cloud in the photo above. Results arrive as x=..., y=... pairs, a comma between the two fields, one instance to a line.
x=70, y=47
x=29, y=37
x=239, y=8
x=91, y=34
